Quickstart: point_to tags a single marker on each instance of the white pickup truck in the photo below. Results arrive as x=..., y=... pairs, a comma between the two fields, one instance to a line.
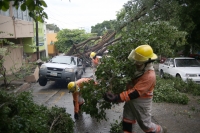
x=181, y=67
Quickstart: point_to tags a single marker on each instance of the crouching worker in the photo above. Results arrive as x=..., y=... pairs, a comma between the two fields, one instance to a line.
x=75, y=88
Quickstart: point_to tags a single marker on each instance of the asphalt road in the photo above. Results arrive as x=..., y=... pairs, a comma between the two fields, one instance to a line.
x=177, y=118
x=56, y=94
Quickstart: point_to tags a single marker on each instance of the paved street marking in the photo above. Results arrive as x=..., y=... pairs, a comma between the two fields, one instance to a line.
x=45, y=92
x=57, y=99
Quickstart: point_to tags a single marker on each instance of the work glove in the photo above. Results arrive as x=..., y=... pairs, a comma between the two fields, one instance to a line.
x=76, y=116
x=110, y=97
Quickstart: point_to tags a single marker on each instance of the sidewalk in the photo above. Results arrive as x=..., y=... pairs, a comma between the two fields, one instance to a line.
x=20, y=85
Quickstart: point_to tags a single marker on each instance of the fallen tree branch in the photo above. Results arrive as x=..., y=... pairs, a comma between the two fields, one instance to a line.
x=54, y=121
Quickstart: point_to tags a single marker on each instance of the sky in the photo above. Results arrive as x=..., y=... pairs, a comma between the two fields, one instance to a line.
x=81, y=14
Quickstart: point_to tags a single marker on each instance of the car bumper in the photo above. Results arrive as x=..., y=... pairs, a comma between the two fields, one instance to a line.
x=57, y=75
x=195, y=79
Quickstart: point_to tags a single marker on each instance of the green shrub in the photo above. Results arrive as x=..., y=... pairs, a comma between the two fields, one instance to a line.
x=185, y=87
x=116, y=127
x=19, y=113
x=165, y=92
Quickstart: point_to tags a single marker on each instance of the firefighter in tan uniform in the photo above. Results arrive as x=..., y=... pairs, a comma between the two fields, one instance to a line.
x=139, y=93
x=78, y=101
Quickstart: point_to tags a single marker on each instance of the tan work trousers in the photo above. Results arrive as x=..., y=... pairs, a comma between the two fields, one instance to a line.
x=139, y=110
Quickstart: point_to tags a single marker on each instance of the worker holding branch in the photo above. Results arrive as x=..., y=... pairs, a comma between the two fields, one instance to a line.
x=139, y=94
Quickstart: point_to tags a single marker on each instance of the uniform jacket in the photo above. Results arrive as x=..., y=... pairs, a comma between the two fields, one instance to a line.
x=144, y=85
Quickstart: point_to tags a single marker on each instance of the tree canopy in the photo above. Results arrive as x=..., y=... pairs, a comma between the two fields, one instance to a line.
x=103, y=27
x=190, y=22
x=66, y=38
x=53, y=27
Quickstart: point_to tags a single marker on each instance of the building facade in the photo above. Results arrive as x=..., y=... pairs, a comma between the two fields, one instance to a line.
x=17, y=27
x=51, y=39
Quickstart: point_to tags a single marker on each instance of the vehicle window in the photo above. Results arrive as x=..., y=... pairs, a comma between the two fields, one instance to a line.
x=73, y=61
x=171, y=62
x=166, y=61
x=187, y=63
x=79, y=61
x=63, y=60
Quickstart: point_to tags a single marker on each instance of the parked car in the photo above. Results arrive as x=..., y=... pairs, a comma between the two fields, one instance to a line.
x=181, y=67
x=63, y=68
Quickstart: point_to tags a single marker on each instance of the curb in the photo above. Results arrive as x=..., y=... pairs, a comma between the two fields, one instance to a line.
x=23, y=87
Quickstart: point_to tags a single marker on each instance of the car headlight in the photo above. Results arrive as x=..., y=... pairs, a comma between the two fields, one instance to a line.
x=69, y=70
x=42, y=67
x=191, y=75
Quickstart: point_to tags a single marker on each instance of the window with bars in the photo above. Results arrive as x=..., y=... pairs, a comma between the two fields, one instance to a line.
x=19, y=14
x=5, y=13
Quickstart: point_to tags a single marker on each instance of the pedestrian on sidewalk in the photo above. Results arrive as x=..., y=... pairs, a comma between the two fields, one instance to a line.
x=139, y=94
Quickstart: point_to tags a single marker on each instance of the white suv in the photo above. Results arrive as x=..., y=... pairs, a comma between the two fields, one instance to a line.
x=63, y=68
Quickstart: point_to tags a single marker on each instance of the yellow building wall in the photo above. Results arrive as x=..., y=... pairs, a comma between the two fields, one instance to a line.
x=51, y=39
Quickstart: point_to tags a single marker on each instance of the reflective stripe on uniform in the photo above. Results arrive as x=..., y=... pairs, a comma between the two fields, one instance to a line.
x=129, y=121
x=124, y=96
x=126, y=132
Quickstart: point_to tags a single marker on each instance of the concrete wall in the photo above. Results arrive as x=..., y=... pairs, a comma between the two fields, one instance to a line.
x=15, y=28
x=14, y=59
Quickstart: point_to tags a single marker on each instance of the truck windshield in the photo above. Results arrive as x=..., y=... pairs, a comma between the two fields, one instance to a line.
x=64, y=60
x=187, y=63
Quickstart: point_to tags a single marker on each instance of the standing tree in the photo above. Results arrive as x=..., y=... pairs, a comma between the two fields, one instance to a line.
x=53, y=27
x=103, y=27
x=190, y=22
x=67, y=38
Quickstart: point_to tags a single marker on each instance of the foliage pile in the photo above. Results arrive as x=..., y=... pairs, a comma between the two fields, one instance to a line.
x=19, y=113
x=173, y=90
x=165, y=91
x=116, y=127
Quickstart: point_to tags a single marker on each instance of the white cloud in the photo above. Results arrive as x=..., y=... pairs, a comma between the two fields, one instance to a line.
x=79, y=14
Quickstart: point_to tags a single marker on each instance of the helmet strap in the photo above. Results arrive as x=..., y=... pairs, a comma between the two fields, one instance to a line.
x=145, y=64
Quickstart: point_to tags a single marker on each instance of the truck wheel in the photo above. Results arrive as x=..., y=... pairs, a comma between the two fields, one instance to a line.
x=161, y=74
x=42, y=81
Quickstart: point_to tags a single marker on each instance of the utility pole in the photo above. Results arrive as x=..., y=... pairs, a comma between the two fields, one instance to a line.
x=36, y=36
x=37, y=42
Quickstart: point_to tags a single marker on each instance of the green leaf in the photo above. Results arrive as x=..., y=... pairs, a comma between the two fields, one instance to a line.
x=1, y=4
x=43, y=3
x=23, y=7
x=29, y=2
x=5, y=5
x=31, y=6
